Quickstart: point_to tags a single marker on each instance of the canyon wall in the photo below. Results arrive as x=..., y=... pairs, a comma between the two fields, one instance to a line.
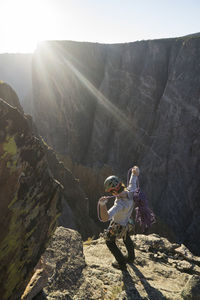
x=126, y=104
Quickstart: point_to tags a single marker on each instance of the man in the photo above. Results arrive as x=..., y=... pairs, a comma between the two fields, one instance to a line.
x=119, y=214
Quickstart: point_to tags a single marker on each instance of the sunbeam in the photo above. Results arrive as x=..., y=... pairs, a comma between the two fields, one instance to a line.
x=110, y=107
x=58, y=63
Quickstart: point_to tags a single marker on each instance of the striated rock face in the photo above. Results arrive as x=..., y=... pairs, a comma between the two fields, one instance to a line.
x=125, y=104
x=29, y=201
x=161, y=270
x=75, y=204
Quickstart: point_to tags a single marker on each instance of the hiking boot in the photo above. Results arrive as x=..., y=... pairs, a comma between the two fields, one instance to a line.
x=129, y=259
x=118, y=266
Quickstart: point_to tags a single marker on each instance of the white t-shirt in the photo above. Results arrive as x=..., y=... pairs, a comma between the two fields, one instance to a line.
x=122, y=209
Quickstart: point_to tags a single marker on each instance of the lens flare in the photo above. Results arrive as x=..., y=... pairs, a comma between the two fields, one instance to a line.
x=62, y=59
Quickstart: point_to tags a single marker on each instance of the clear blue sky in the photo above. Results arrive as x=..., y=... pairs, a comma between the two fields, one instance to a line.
x=24, y=22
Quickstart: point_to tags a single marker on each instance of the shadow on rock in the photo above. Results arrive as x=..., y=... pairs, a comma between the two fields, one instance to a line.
x=152, y=293
x=130, y=288
x=40, y=296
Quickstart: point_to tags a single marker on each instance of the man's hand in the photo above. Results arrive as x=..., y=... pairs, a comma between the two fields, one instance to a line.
x=135, y=171
x=103, y=200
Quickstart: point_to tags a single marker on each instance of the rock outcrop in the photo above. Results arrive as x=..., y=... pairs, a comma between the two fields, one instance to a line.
x=16, y=70
x=161, y=270
x=9, y=96
x=29, y=202
x=125, y=104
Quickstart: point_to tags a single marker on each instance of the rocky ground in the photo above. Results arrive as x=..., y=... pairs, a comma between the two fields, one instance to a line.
x=162, y=270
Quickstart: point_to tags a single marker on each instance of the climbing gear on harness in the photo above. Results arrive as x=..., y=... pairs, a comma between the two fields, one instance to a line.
x=116, y=230
x=112, y=183
x=131, y=226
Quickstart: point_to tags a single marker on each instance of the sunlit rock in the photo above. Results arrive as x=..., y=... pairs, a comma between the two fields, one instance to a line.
x=84, y=271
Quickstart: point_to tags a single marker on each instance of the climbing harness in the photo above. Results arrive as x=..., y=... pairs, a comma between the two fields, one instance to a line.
x=115, y=230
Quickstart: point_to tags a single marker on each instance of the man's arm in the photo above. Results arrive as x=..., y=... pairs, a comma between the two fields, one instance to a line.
x=104, y=213
x=133, y=179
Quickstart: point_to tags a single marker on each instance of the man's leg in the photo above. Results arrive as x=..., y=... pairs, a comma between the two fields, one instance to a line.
x=130, y=248
x=116, y=252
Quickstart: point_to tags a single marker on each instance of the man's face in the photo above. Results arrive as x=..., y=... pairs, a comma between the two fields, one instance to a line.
x=114, y=192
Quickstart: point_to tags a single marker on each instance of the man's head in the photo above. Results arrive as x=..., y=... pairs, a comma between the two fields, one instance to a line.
x=113, y=185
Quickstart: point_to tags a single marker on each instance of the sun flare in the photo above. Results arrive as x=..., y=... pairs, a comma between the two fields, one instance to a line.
x=26, y=23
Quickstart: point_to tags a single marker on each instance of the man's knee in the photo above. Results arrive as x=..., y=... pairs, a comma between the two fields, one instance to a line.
x=110, y=242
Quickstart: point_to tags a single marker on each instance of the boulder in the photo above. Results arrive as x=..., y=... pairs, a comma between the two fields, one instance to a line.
x=62, y=262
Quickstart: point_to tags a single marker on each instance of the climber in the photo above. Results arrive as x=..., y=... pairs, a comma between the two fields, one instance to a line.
x=119, y=215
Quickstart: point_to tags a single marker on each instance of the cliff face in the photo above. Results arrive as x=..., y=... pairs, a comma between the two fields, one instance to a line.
x=31, y=198
x=75, y=204
x=126, y=104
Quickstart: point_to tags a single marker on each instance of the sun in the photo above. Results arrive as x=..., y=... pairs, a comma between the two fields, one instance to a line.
x=24, y=23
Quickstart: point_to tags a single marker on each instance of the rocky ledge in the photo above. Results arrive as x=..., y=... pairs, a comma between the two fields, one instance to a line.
x=77, y=270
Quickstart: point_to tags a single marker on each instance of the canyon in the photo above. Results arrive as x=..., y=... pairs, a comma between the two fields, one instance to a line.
x=120, y=105
x=124, y=105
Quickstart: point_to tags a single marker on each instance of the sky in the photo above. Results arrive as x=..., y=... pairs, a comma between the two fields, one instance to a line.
x=24, y=23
